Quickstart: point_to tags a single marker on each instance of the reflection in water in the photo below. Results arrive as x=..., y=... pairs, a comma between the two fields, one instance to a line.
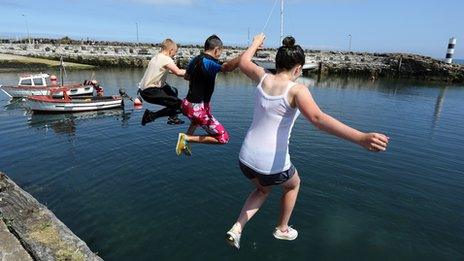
x=15, y=103
x=438, y=106
x=236, y=78
x=389, y=86
x=125, y=116
x=66, y=123
x=59, y=123
x=306, y=81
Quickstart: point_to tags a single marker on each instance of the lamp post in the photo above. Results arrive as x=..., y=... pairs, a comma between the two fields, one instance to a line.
x=349, y=44
x=27, y=28
x=137, y=30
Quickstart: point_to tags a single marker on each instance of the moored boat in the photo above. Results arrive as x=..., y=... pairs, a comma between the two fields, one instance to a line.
x=269, y=65
x=41, y=84
x=52, y=104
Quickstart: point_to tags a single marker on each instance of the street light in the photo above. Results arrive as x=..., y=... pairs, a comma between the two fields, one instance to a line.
x=137, y=30
x=27, y=28
x=349, y=45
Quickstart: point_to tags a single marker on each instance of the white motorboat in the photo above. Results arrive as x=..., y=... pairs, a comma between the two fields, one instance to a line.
x=41, y=84
x=269, y=65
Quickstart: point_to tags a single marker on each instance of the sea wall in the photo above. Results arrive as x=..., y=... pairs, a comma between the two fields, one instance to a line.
x=19, y=63
x=372, y=65
x=37, y=230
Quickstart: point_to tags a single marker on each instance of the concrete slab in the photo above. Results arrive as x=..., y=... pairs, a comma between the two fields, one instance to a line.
x=10, y=248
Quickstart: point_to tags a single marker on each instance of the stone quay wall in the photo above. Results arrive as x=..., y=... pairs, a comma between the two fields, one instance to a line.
x=372, y=65
x=30, y=231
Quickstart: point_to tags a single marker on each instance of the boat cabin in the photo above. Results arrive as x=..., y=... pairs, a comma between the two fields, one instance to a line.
x=34, y=80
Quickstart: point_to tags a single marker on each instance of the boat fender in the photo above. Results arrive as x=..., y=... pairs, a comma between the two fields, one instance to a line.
x=53, y=80
x=138, y=103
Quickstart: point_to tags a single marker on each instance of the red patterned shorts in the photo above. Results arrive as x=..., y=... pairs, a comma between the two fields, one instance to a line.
x=200, y=115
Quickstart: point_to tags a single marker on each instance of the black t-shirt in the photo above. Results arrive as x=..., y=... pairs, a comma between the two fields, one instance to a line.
x=202, y=71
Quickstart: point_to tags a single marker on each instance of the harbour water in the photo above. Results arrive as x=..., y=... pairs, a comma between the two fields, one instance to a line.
x=122, y=189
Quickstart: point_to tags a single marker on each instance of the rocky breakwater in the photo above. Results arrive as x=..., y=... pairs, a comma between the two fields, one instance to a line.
x=371, y=65
x=390, y=65
x=104, y=55
x=379, y=65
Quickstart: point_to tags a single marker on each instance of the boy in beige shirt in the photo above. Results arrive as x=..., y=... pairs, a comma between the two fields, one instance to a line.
x=154, y=89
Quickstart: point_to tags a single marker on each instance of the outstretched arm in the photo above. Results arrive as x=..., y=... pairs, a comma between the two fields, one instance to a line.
x=308, y=107
x=230, y=65
x=172, y=67
x=249, y=68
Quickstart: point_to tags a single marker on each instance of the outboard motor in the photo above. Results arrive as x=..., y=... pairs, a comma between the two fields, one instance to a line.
x=137, y=101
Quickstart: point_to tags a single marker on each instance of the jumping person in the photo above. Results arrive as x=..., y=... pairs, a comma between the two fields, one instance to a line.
x=264, y=157
x=201, y=74
x=154, y=89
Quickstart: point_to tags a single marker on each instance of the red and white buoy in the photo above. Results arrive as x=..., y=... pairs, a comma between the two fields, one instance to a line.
x=138, y=103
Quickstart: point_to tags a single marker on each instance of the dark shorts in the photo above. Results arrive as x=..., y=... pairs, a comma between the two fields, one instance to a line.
x=267, y=179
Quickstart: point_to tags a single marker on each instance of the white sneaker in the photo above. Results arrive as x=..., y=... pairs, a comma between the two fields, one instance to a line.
x=233, y=239
x=290, y=234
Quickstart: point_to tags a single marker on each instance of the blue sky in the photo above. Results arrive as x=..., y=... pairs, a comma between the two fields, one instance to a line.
x=422, y=27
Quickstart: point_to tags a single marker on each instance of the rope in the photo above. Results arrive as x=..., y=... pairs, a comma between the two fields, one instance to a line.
x=269, y=17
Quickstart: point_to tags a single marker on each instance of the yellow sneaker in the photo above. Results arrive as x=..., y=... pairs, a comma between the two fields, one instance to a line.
x=180, y=146
x=187, y=149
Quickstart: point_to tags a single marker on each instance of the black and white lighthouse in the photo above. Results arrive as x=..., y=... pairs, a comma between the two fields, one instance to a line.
x=450, y=52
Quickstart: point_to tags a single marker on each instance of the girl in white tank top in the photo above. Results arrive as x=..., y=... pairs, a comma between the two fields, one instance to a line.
x=264, y=157
x=265, y=148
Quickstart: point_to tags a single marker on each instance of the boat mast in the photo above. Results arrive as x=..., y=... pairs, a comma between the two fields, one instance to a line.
x=61, y=70
x=281, y=22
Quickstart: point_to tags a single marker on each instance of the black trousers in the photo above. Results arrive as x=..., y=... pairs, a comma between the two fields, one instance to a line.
x=164, y=96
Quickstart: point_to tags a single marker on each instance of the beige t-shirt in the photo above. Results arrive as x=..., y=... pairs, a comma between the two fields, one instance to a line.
x=156, y=73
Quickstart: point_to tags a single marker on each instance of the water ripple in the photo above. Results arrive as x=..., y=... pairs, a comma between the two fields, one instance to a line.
x=113, y=181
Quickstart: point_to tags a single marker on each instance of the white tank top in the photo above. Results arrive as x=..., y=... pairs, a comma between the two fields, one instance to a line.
x=265, y=148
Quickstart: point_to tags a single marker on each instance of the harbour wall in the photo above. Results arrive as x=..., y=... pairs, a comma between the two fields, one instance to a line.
x=372, y=65
x=29, y=231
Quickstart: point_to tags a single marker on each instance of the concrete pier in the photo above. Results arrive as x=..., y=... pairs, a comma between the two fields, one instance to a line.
x=10, y=247
x=29, y=231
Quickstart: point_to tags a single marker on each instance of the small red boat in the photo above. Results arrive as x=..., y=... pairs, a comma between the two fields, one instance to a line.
x=53, y=104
